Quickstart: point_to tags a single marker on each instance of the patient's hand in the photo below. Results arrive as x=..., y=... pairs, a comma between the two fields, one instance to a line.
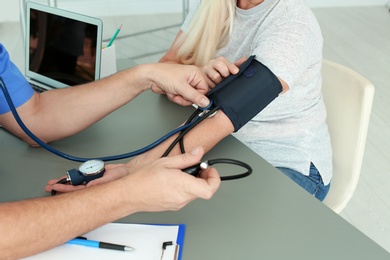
x=218, y=69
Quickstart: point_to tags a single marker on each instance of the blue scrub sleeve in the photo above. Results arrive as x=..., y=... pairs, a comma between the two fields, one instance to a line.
x=17, y=85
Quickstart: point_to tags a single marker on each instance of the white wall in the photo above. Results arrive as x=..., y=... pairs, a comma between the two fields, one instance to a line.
x=122, y=7
x=329, y=3
x=10, y=8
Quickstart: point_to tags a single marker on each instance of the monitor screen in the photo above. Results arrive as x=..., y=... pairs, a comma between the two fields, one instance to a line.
x=61, y=48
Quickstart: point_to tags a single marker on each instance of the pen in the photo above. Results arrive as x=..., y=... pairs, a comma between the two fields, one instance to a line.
x=98, y=244
x=114, y=36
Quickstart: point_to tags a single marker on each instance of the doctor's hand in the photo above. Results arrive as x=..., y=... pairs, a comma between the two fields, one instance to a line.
x=218, y=69
x=159, y=180
x=161, y=185
x=183, y=84
x=112, y=173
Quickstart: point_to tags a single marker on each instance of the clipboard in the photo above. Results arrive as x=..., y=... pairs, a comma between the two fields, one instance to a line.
x=146, y=239
x=175, y=251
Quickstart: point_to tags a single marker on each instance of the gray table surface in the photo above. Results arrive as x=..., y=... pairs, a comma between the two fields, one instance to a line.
x=263, y=216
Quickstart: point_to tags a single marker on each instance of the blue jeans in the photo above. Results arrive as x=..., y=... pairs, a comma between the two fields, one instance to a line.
x=312, y=183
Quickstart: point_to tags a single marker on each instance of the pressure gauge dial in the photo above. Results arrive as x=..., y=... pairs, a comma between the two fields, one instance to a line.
x=88, y=171
x=91, y=167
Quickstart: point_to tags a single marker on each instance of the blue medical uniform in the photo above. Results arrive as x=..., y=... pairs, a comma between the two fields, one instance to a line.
x=17, y=85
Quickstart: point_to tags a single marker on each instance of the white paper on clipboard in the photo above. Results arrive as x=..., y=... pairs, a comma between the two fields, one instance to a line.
x=146, y=239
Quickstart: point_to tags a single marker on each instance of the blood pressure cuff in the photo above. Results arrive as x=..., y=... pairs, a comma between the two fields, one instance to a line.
x=243, y=95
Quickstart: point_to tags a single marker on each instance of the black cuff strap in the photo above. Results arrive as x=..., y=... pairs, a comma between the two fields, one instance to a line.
x=243, y=95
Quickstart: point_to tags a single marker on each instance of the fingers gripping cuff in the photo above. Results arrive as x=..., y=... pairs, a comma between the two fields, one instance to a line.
x=243, y=95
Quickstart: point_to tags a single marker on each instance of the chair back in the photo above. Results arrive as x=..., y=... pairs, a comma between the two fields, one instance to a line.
x=348, y=98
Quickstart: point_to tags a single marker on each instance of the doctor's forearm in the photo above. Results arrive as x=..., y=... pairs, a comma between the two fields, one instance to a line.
x=56, y=114
x=35, y=225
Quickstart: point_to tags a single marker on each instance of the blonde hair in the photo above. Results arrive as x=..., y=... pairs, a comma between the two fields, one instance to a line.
x=209, y=31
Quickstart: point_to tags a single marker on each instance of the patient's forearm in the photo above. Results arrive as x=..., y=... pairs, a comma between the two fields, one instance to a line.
x=207, y=134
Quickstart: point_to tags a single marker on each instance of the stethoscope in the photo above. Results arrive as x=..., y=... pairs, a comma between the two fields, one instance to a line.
x=92, y=168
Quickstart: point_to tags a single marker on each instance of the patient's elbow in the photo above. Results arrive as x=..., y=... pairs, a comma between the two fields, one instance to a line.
x=30, y=142
x=285, y=86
